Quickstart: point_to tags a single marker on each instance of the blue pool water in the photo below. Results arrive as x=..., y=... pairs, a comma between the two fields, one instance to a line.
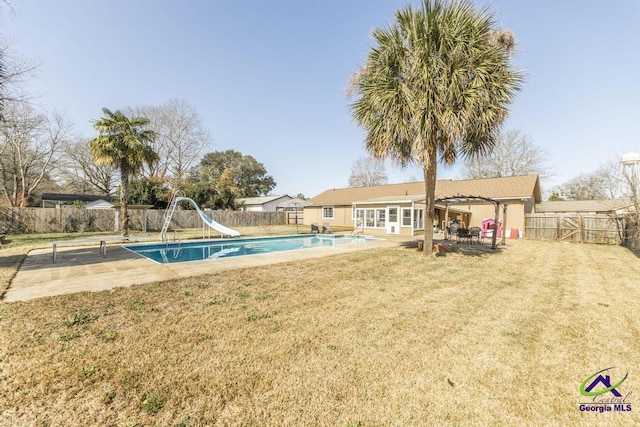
x=212, y=249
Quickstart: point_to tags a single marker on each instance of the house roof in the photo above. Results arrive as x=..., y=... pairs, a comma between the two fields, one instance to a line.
x=514, y=187
x=582, y=205
x=67, y=197
x=260, y=200
x=392, y=199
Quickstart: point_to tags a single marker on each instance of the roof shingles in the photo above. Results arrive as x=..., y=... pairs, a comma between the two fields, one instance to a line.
x=499, y=188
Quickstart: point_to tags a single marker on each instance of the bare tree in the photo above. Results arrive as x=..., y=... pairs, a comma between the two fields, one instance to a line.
x=81, y=173
x=586, y=186
x=29, y=141
x=13, y=72
x=631, y=189
x=611, y=179
x=367, y=171
x=181, y=138
x=606, y=182
x=513, y=154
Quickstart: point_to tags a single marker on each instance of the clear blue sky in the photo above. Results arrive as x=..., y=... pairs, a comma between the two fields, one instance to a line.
x=269, y=77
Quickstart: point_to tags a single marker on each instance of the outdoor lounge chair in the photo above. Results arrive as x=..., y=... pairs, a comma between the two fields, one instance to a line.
x=326, y=228
x=314, y=227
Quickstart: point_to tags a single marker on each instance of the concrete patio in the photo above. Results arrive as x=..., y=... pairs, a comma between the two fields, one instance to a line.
x=83, y=268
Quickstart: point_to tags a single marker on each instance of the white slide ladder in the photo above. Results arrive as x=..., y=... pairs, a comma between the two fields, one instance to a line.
x=168, y=215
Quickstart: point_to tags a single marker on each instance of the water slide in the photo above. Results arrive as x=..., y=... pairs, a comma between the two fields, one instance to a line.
x=207, y=220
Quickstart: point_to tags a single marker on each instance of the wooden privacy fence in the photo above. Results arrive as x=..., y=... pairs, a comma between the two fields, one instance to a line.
x=295, y=218
x=586, y=228
x=69, y=220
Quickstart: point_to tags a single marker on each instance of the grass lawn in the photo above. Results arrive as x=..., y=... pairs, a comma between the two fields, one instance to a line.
x=377, y=337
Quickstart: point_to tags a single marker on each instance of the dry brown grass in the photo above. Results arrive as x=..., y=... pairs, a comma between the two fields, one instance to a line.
x=10, y=260
x=378, y=337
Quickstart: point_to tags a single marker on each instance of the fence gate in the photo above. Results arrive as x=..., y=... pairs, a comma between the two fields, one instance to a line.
x=570, y=228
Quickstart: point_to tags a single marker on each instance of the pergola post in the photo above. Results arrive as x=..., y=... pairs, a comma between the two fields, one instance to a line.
x=446, y=222
x=504, y=223
x=495, y=227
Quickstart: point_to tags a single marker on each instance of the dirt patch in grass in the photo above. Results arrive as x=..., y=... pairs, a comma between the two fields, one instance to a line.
x=378, y=337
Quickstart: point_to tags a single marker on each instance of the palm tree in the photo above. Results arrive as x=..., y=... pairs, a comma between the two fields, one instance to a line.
x=435, y=88
x=123, y=142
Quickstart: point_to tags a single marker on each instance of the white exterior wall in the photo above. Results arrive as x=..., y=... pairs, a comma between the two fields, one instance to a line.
x=271, y=206
x=267, y=207
x=98, y=204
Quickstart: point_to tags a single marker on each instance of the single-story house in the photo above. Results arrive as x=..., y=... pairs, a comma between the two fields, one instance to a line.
x=610, y=206
x=88, y=201
x=400, y=208
x=261, y=204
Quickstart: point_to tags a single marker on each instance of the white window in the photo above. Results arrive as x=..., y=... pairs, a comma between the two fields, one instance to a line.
x=373, y=218
x=393, y=215
x=381, y=216
x=327, y=212
x=418, y=219
x=370, y=218
x=406, y=217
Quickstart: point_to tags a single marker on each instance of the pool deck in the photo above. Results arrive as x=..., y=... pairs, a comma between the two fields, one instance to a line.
x=83, y=268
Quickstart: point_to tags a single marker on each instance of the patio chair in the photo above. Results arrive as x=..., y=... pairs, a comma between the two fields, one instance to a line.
x=326, y=228
x=453, y=231
x=463, y=233
x=314, y=227
x=475, y=233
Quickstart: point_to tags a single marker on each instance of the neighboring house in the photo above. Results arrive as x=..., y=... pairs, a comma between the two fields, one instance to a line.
x=59, y=200
x=400, y=208
x=615, y=206
x=261, y=204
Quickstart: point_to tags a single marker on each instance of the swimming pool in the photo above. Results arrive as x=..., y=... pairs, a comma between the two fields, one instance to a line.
x=167, y=253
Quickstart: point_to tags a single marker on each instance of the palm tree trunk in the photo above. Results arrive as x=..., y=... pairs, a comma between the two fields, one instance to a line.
x=124, y=195
x=430, y=171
